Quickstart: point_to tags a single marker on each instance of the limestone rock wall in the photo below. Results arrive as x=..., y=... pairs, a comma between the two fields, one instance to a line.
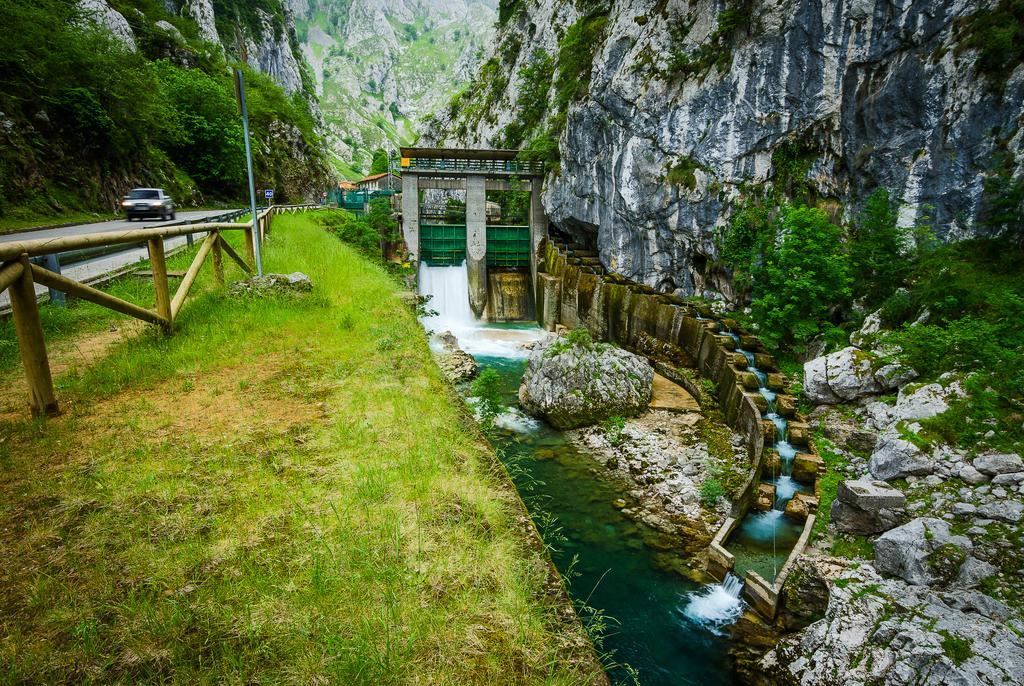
x=867, y=93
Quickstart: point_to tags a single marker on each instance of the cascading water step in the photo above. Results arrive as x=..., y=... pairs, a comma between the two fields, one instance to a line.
x=716, y=606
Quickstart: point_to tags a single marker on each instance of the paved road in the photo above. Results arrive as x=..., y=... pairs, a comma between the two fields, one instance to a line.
x=95, y=269
x=115, y=225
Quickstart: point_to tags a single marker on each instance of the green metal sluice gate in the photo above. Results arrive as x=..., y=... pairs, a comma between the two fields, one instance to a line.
x=508, y=246
x=444, y=245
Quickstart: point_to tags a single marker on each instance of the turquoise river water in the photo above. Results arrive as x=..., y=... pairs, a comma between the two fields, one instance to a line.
x=662, y=628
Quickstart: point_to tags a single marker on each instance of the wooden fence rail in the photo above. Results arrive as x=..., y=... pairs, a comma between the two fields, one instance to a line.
x=20, y=275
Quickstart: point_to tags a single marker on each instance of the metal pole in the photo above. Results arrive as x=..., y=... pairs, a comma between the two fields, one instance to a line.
x=240, y=80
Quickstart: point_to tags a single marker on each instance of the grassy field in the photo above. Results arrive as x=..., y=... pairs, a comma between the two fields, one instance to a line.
x=284, y=491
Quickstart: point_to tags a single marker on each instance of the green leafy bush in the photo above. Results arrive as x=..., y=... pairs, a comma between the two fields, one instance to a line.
x=897, y=308
x=487, y=388
x=973, y=292
x=998, y=35
x=742, y=247
x=508, y=9
x=380, y=162
x=716, y=51
x=877, y=245
x=612, y=428
x=683, y=173
x=356, y=231
x=711, y=490
x=803, y=279
x=534, y=84
x=381, y=220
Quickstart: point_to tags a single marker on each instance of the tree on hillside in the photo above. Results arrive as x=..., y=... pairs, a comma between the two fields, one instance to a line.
x=804, y=278
x=877, y=247
x=379, y=165
x=380, y=219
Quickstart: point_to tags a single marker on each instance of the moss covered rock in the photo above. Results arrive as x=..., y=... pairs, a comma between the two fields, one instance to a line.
x=573, y=382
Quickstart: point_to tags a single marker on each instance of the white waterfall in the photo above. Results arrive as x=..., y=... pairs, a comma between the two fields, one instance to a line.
x=448, y=288
x=449, y=291
x=716, y=606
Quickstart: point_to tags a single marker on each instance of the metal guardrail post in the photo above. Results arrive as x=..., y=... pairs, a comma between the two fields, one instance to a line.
x=52, y=262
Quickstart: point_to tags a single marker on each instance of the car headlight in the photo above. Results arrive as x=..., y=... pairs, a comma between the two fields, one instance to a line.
x=125, y=203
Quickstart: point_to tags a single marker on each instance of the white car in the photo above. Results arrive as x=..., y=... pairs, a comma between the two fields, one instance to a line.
x=148, y=202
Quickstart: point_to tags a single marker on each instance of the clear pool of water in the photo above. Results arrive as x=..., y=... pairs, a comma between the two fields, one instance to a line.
x=608, y=567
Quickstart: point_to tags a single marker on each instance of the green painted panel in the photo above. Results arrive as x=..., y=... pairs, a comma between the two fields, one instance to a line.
x=508, y=246
x=442, y=244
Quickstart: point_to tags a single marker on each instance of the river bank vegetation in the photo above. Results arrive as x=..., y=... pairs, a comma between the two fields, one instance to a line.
x=84, y=117
x=284, y=490
x=952, y=307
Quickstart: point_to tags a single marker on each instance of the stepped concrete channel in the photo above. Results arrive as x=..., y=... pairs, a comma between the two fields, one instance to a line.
x=573, y=290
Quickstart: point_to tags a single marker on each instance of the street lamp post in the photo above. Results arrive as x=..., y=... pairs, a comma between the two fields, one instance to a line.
x=240, y=92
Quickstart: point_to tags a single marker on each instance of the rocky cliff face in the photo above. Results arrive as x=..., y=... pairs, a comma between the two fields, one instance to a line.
x=262, y=36
x=852, y=95
x=381, y=66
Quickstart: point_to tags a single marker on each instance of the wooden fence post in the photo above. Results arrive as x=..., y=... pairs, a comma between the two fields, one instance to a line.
x=160, y=285
x=218, y=260
x=29, y=328
x=250, y=251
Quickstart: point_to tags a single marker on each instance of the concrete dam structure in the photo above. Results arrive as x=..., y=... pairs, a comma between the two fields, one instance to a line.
x=500, y=258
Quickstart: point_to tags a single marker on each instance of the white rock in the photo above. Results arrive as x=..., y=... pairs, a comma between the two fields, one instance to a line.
x=999, y=463
x=98, y=12
x=924, y=402
x=872, y=325
x=895, y=457
x=1009, y=511
x=1007, y=479
x=906, y=551
x=841, y=376
x=202, y=12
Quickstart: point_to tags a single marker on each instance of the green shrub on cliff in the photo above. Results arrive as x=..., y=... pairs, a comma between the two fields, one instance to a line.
x=997, y=34
x=803, y=279
x=534, y=84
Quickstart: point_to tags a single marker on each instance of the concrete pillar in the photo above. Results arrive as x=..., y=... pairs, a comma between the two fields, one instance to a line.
x=476, y=242
x=411, y=214
x=538, y=224
x=549, y=301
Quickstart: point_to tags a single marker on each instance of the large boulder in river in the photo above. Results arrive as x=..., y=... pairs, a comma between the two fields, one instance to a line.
x=572, y=382
x=456, y=364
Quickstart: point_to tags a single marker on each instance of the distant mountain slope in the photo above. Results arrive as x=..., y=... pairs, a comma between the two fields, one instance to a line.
x=382, y=66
